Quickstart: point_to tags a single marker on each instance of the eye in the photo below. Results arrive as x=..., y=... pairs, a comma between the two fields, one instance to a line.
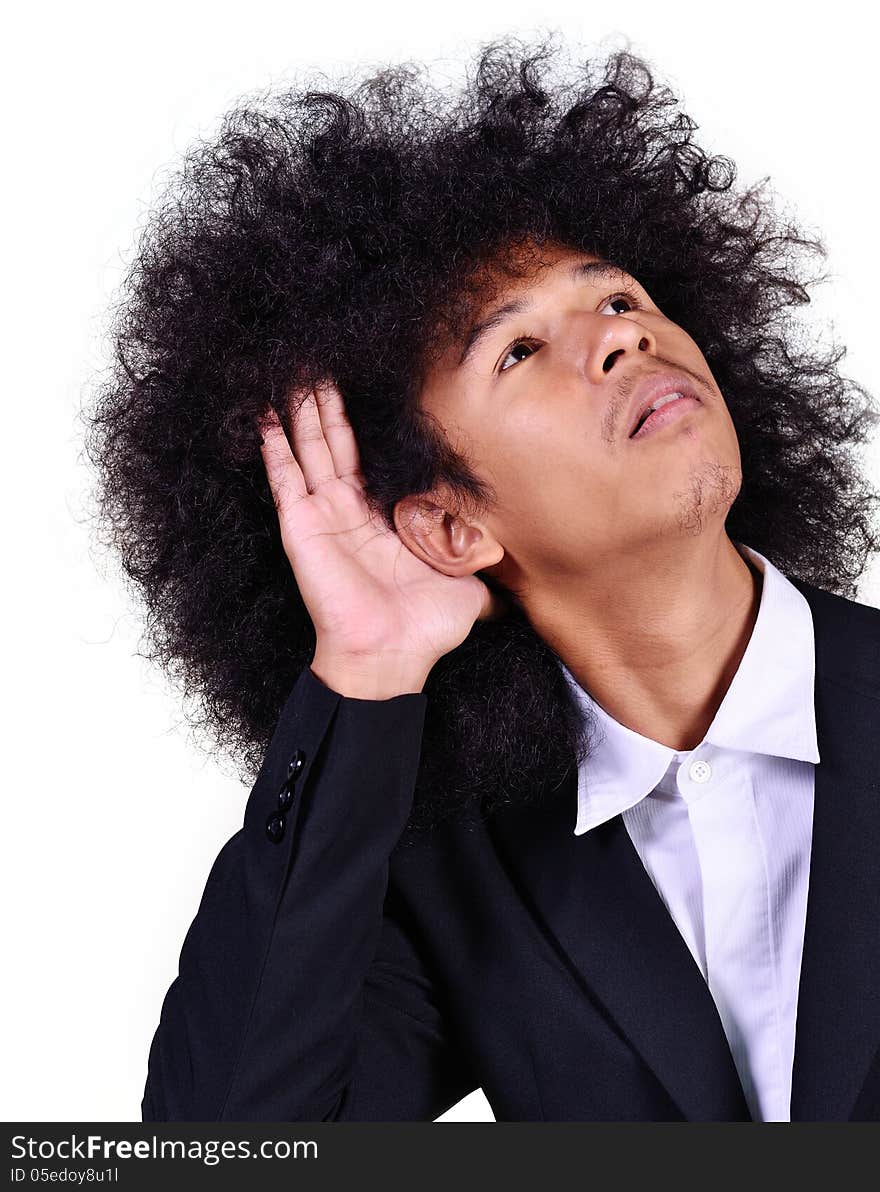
x=531, y=343
x=524, y=341
x=626, y=296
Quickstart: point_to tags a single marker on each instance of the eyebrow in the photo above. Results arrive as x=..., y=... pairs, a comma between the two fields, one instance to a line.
x=478, y=332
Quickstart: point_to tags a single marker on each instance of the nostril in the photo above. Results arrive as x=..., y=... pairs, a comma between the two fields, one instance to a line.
x=643, y=344
x=609, y=359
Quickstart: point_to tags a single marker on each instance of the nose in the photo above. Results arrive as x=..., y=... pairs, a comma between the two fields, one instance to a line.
x=614, y=337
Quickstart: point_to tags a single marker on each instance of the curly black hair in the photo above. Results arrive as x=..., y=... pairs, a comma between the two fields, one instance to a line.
x=338, y=233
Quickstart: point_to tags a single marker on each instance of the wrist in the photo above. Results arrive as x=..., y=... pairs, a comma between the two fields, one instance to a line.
x=369, y=676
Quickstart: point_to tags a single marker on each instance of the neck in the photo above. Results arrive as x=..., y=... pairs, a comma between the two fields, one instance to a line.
x=655, y=637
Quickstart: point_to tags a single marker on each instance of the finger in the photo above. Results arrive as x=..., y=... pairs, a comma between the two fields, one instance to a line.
x=308, y=442
x=494, y=607
x=338, y=432
x=285, y=476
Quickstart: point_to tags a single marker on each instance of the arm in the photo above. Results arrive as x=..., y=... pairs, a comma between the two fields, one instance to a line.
x=300, y=994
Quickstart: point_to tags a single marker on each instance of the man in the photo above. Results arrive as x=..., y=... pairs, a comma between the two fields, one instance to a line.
x=505, y=955
x=653, y=616
x=536, y=585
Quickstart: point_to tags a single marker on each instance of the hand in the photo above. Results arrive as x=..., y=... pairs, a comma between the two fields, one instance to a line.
x=370, y=598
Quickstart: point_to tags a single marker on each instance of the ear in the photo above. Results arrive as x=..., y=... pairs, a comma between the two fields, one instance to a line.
x=448, y=542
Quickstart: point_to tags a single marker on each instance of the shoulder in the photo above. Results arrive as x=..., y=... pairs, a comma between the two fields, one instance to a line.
x=847, y=636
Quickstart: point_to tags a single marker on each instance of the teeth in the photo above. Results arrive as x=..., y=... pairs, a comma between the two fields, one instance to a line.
x=663, y=400
x=656, y=406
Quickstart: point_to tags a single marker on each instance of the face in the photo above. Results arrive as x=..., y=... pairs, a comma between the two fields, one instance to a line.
x=541, y=400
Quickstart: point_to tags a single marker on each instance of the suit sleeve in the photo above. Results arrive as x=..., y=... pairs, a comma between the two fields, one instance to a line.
x=301, y=994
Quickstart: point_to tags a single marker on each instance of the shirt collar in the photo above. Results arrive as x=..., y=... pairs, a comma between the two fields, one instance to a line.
x=768, y=708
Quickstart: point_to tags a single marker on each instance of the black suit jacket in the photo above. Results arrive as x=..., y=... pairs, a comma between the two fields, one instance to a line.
x=329, y=975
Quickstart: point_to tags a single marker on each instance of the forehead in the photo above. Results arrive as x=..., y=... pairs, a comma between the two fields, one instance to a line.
x=524, y=265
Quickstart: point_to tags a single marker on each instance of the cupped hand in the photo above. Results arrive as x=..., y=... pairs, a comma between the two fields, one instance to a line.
x=368, y=595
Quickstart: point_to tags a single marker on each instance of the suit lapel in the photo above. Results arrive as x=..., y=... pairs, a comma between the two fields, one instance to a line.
x=838, y=1016
x=594, y=896
x=596, y=899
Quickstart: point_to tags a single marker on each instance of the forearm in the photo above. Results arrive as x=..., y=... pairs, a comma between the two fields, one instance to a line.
x=261, y=1022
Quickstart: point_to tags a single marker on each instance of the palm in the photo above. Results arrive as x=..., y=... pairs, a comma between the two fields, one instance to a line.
x=364, y=589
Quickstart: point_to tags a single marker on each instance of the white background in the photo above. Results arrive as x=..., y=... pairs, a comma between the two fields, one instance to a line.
x=113, y=815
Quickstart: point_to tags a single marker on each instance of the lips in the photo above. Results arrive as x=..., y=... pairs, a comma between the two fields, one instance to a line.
x=651, y=389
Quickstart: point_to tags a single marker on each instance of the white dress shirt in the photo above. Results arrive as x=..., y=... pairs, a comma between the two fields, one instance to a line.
x=724, y=831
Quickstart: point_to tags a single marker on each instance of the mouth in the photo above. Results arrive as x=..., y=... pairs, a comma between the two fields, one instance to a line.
x=660, y=400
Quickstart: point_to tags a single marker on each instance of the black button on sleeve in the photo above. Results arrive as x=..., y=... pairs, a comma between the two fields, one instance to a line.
x=285, y=798
x=275, y=827
x=295, y=765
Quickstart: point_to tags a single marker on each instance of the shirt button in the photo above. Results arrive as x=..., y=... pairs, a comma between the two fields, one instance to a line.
x=285, y=798
x=275, y=827
x=699, y=771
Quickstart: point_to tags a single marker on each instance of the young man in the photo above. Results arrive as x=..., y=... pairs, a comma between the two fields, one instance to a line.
x=571, y=793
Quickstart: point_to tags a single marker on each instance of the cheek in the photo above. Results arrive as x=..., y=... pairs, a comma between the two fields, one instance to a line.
x=548, y=477
x=560, y=448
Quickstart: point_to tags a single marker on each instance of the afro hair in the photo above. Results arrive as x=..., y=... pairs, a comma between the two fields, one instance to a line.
x=337, y=233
